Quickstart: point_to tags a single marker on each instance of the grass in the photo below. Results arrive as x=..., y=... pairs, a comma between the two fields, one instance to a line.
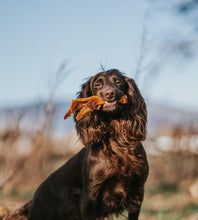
x=165, y=188
x=15, y=195
x=166, y=193
x=123, y=216
x=177, y=214
x=173, y=213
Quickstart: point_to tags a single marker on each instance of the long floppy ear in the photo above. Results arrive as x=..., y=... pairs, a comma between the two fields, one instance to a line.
x=85, y=90
x=138, y=111
x=89, y=127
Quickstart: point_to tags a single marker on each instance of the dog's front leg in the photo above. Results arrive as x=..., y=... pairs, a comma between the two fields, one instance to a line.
x=88, y=209
x=135, y=202
x=133, y=216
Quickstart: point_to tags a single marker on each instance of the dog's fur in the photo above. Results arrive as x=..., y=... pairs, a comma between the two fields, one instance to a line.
x=107, y=176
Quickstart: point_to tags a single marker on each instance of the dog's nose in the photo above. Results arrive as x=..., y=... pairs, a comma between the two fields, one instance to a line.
x=110, y=93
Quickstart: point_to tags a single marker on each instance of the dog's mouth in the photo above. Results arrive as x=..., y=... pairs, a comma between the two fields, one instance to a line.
x=110, y=106
x=115, y=104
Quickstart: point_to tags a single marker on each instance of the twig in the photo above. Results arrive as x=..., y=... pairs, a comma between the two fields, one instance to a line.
x=142, y=52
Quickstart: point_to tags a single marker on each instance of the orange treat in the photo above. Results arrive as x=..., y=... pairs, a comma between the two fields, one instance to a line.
x=83, y=111
x=123, y=99
x=87, y=105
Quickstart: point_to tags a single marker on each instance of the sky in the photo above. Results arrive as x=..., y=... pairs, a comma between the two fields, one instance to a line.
x=36, y=37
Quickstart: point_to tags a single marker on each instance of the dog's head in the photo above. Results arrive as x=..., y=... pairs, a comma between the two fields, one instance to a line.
x=111, y=86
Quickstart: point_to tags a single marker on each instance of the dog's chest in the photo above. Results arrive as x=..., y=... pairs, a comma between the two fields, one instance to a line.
x=111, y=174
x=111, y=195
x=109, y=184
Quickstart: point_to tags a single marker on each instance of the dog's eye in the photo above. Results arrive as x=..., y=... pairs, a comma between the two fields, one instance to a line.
x=118, y=82
x=98, y=85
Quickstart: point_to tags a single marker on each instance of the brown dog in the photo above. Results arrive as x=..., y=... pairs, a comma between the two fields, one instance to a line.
x=107, y=176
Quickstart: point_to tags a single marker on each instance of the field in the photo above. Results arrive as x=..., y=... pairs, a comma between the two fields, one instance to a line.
x=171, y=191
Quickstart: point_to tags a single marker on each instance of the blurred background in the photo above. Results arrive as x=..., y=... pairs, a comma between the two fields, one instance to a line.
x=49, y=48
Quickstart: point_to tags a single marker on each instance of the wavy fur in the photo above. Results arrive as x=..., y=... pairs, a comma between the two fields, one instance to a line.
x=131, y=123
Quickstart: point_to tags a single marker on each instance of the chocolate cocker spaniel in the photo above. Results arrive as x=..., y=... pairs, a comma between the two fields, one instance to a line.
x=107, y=176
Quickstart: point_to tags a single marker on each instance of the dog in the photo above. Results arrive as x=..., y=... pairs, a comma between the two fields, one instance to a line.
x=108, y=175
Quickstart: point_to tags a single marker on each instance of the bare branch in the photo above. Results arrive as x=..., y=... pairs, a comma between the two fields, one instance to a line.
x=142, y=51
x=103, y=67
x=57, y=79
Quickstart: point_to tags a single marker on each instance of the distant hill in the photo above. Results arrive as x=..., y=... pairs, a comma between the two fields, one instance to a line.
x=32, y=116
x=164, y=115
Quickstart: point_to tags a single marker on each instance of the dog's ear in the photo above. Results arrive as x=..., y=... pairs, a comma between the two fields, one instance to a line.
x=84, y=125
x=88, y=127
x=85, y=90
x=138, y=110
x=135, y=95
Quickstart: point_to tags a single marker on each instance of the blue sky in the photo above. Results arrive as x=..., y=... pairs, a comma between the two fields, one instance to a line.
x=37, y=36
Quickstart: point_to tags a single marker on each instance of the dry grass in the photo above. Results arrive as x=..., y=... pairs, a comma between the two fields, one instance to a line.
x=27, y=158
